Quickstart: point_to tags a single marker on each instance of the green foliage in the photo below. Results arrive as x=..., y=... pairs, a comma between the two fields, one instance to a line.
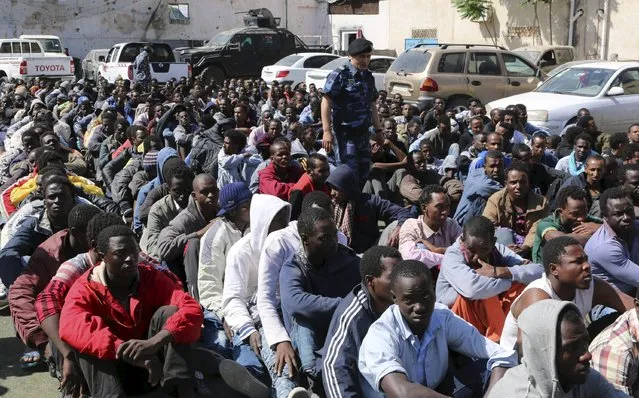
x=474, y=10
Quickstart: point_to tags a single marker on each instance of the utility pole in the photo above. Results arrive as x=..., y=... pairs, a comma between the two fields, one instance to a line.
x=286, y=13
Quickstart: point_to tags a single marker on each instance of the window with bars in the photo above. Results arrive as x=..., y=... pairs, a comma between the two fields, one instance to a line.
x=179, y=14
x=357, y=7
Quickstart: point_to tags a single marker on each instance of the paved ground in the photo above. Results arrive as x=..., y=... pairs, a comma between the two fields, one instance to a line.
x=15, y=382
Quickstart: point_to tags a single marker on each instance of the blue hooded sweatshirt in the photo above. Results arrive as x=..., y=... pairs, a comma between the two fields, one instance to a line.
x=163, y=156
x=477, y=190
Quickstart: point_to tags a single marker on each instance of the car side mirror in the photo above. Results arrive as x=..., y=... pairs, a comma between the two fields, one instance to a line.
x=543, y=63
x=233, y=46
x=615, y=91
x=101, y=58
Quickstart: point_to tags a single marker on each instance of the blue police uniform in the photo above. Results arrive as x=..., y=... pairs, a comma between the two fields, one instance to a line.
x=142, y=69
x=352, y=91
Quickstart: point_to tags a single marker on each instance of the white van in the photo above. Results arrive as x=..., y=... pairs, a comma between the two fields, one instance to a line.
x=25, y=59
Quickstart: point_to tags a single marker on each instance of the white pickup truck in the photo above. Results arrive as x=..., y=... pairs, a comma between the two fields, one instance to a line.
x=25, y=59
x=51, y=45
x=119, y=62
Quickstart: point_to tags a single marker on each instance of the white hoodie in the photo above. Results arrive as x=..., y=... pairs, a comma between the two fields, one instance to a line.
x=241, y=274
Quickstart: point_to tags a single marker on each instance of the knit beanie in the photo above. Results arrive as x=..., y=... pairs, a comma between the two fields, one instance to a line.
x=150, y=161
x=170, y=164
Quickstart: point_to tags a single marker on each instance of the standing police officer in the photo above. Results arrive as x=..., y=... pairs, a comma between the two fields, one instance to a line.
x=142, y=67
x=348, y=110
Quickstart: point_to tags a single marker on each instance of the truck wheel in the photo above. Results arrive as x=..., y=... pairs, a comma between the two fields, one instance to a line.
x=212, y=73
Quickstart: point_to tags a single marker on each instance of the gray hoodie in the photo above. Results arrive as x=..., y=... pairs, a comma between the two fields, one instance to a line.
x=534, y=378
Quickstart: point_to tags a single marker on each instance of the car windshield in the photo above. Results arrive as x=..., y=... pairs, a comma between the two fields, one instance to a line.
x=528, y=54
x=557, y=70
x=289, y=61
x=219, y=39
x=336, y=63
x=585, y=82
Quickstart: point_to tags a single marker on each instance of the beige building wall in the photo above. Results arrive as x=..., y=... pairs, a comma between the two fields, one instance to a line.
x=623, y=36
x=374, y=27
x=511, y=23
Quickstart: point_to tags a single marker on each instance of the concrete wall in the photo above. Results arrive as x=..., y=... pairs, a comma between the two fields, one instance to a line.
x=87, y=24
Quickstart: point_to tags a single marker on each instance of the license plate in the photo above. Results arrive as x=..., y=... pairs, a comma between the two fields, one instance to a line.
x=400, y=89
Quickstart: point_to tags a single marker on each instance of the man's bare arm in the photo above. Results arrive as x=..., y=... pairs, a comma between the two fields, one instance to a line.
x=396, y=385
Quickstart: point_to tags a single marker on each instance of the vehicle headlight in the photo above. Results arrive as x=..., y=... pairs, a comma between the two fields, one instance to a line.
x=541, y=116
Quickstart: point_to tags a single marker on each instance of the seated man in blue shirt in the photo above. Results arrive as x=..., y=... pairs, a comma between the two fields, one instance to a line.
x=313, y=283
x=406, y=351
x=352, y=319
x=613, y=249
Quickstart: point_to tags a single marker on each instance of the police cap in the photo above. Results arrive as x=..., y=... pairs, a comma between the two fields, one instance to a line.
x=359, y=46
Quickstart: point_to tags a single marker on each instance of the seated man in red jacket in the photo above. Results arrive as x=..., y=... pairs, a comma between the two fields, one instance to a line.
x=133, y=326
x=279, y=177
x=318, y=170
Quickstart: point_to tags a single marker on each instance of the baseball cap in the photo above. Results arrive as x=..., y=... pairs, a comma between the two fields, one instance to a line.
x=232, y=195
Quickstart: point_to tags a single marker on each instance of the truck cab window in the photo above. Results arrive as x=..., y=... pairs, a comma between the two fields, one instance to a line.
x=129, y=53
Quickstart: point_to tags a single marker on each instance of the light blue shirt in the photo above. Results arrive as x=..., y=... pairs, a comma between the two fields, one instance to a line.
x=391, y=347
x=613, y=260
x=456, y=277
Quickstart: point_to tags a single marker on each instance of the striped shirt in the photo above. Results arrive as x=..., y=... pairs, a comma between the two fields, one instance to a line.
x=50, y=301
x=615, y=353
x=351, y=320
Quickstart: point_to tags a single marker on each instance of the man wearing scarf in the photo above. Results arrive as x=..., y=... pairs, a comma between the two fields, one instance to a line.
x=356, y=214
x=576, y=161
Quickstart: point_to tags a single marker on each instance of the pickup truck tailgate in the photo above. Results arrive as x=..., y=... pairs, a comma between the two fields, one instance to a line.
x=164, y=71
x=48, y=66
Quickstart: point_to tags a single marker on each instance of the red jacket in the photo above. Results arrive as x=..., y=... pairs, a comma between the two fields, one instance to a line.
x=95, y=323
x=272, y=184
x=42, y=266
x=305, y=184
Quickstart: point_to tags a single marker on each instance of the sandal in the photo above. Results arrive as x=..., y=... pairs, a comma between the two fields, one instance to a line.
x=24, y=364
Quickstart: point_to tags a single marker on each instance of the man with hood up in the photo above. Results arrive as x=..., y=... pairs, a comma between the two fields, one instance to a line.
x=164, y=155
x=480, y=185
x=356, y=214
x=27, y=121
x=556, y=361
x=267, y=214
